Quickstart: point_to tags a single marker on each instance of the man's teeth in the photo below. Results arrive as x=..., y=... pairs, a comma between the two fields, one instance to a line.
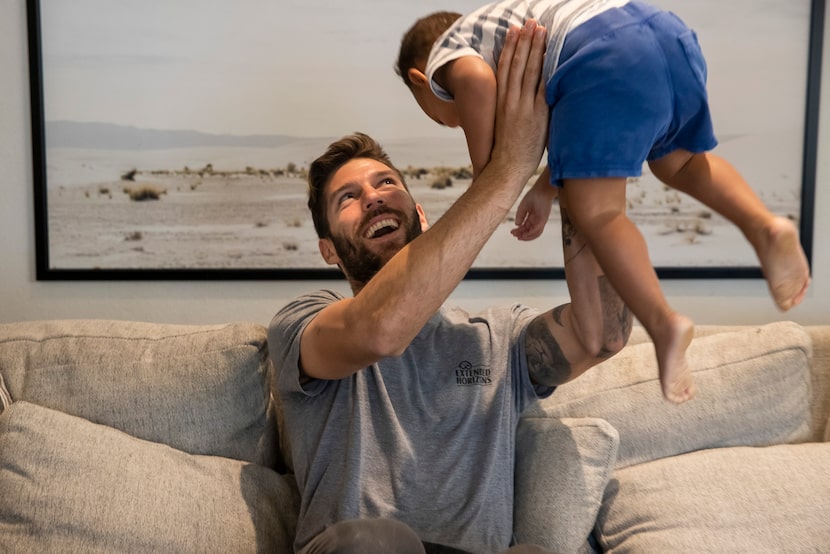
x=380, y=225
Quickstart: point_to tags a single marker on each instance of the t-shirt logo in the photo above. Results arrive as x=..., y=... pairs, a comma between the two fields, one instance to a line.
x=466, y=374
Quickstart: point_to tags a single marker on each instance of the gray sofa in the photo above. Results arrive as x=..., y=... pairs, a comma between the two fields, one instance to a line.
x=135, y=437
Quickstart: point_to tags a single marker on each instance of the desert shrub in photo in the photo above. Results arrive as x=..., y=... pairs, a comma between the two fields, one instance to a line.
x=462, y=173
x=441, y=181
x=416, y=172
x=144, y=192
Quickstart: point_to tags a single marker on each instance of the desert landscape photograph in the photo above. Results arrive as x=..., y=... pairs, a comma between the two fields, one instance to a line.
x=179, y=136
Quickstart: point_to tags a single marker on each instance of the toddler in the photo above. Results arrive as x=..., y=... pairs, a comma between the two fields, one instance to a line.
x=626, y=84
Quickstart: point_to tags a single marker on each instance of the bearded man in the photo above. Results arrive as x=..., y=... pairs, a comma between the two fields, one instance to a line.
x=400, y=412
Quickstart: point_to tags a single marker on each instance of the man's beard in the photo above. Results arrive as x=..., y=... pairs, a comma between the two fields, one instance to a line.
x=361, y=264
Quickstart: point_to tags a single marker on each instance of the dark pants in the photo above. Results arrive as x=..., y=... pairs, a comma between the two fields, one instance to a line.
x=383, y=536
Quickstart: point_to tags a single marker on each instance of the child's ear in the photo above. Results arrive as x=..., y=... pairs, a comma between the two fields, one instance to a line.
x=417, y=77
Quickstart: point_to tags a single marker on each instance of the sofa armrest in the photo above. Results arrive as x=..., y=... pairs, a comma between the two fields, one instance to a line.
x=5, y=396
x=820, y=375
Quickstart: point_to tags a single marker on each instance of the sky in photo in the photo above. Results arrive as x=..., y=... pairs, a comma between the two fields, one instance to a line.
x=324, y=68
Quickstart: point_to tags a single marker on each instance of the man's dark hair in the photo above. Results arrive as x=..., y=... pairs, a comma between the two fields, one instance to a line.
x=350, y=147
x=418, y=40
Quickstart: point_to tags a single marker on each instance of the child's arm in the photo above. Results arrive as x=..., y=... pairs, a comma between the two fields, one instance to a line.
x=534, y=209
x=472, y=84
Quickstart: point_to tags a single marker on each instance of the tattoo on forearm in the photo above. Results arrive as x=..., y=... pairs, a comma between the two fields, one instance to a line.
x=557, y=314
x=572, y=242
x=546, y=362
x=568, y=229
x=617, y=318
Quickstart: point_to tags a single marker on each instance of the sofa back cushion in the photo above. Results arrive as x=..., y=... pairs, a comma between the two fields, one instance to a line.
x=202, y=389
x=754, y=389
x=69, y=485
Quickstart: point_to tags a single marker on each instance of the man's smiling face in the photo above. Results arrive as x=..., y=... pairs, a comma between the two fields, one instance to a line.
x=371, y=216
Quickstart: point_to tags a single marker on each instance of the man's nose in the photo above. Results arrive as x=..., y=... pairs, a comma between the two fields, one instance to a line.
x=372, y=198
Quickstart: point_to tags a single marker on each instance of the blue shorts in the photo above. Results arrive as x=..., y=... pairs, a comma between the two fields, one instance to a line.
x=630, y=86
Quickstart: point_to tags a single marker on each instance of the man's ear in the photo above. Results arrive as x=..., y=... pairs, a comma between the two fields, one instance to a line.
x=328, y=252
x=417, y=78
x=423, y=217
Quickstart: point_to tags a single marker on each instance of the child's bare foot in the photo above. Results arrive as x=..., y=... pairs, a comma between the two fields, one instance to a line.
x=675, y=376
x=783, y=263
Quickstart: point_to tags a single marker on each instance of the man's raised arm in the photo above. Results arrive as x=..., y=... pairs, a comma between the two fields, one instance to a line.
x=384, y=317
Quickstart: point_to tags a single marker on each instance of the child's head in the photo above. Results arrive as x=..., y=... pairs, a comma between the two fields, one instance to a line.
x=418, y=40
x=412, y=59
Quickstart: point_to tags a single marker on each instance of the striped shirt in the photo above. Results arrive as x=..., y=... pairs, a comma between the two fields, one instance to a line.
x=481, y=33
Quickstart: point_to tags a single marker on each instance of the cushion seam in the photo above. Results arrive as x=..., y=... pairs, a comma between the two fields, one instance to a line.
x=695, y=371
x=111, y=337
x=257, y=346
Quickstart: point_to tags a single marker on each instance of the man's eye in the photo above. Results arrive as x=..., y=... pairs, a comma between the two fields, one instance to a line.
x=346, y=196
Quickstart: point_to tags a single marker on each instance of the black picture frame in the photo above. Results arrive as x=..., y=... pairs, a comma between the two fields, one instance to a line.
x=48, y=270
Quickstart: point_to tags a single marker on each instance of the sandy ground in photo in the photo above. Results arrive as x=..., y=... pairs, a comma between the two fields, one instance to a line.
x=256, y=219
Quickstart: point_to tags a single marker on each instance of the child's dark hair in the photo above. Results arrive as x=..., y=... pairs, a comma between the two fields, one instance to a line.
x=356, y=145
x=418, y=40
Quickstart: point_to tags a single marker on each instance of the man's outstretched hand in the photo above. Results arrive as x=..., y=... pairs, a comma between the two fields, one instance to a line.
x=521, y=111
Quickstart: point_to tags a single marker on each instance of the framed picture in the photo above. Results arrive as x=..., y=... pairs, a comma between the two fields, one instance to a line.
x=171, y=140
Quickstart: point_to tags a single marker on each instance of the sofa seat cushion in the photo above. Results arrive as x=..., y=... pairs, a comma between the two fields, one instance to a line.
x=754, y=389
x=562, y=468
x=199, y=388
x=743, y=499
x=69, y=485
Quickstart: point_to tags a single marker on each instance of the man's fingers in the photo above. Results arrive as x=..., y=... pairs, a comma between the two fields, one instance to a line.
x=520, y=63
x=505, y=61
x=533, y=72
x=521, y=112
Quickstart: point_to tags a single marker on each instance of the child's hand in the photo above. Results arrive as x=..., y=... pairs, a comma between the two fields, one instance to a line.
x=531, y=216
x=534, y=210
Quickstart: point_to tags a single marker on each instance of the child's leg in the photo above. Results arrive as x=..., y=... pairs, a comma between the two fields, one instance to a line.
x=600, y=318
x=597, y=208
x=716, y=183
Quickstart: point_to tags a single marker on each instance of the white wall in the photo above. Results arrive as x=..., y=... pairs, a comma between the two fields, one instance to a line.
x=24, y=298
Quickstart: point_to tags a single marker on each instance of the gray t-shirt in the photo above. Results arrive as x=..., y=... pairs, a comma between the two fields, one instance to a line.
x=427, y=438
